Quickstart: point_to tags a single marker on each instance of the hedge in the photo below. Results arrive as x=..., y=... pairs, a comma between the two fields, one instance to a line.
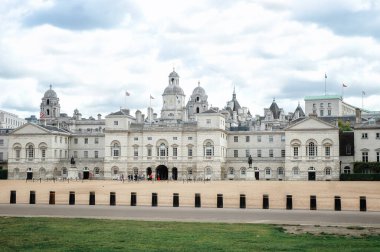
x=361, y=167
x=3, y=174
x=360, y=177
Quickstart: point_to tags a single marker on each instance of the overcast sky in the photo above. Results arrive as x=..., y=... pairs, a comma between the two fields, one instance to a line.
x=92, y=51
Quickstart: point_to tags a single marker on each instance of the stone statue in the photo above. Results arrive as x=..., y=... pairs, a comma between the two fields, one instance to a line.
x=250, y=161
x=72, y=161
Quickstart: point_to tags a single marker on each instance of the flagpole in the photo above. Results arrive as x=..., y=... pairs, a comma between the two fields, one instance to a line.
x=325, y=82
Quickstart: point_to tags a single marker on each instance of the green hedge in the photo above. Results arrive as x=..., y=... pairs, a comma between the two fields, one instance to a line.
x=3, y=174
x=360, y=177
x=361, y=167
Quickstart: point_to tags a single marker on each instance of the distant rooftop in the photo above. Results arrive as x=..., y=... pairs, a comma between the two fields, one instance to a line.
x=322, y=97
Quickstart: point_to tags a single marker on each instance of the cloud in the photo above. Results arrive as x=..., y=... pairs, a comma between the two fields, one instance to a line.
x=83, y=14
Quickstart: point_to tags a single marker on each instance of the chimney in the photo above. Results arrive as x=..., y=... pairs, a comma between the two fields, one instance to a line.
x=358, y=115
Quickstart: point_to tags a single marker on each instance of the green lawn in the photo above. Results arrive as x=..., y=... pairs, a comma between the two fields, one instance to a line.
x=56, y=234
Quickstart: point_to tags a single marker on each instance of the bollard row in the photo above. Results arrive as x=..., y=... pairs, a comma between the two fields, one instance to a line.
x=197, y=200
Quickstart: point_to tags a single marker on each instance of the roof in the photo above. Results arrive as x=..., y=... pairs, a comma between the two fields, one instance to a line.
x=53, y=128
x=174, y=74
x=209, y=111
x=323, y=97
x=275, y=110
x=173, y=90
x=50, y=93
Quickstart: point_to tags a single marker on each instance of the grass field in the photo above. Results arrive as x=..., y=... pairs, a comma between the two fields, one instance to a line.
x=58, y=234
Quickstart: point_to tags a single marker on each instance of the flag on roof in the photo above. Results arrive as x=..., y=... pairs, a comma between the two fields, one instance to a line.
x=127, y=93
x=151, y=97
x=344, y=85
x=42, y=115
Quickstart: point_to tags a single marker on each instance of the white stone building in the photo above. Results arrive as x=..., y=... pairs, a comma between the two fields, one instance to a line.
x=10, y=121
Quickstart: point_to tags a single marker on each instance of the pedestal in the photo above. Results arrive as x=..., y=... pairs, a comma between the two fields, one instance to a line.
x=72, y=173
x=250, y=174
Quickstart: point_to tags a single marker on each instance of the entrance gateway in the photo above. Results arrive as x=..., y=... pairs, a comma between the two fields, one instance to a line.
x=162, y=172
x=311, y=173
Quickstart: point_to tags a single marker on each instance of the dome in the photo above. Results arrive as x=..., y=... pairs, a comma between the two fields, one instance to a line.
x=50, y=93
x=173, y=90
x=173, y=74
x=199, y=90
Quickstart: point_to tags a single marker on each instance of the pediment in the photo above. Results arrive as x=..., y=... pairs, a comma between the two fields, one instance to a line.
x=311, y=124
x=30, y=129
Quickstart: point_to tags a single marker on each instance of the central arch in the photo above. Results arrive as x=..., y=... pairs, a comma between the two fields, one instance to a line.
x=162, y=172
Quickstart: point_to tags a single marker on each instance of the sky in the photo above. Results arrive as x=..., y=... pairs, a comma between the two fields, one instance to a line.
x=93, y=51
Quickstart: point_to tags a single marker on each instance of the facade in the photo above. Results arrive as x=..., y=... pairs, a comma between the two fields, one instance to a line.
x=192, y=141
x=328, y=105
x=10, y=121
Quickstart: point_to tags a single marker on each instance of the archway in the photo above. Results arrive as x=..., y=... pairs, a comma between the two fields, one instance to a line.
x=162, y=172
x=86, y=173
x=149, y=173
x=311, y=173
x=174, y=173
x=29, y=173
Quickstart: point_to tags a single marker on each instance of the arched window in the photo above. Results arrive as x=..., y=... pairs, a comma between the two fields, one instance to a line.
x=208, y=149
x=30, y=151
x=231, y=171
x=163, y=150
x=114, y=170
x=197, y=110
x=96, y=171
x=115, y=149
x=17, y=151
x=280, y=171
x=47, y=112
x=347, y=170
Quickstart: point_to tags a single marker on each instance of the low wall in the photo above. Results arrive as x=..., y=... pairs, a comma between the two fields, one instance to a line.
x=253, y=191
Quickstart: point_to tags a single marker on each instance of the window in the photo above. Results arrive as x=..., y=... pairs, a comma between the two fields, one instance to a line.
x=96, y=171
x=96, y=154
x=258, y=138
x=271, y=153
x=55, y=139
x=115, y=123
x=1, y=142
x=85, y=154
x=328, y=171
x=311, y=150
x=236, y=153
x=189, y=138
x=75, y=140
x=162, y=150
x=321, y=112
x=86, y=141
x=364, y=135
x=247, y=153
x=271, y=139
x=115, y=150
x=149, y=138
x=135, y=151
x=282, y=138
x=149, y=151
x=295, y=151
x=377, y=156
x=190, y=152
x=321, y=105
x=30, y=151
x=258, y=153
x=280, y=171
x=243, y=171
x=75, y=154
x=329, y=105
x=135, y=138
x=267, y=171
x=55, y=153
x=296, y=171
x=282, y=153
x=377, y=137
x=208, y=121
x=231, y=171
x=1, y=156
x=174, y=152
x=209, y=149
x=96, y=140
x=175, y=138
x=247, y=139
x=43, y=154
x=365, y=156
x=236, y=139
x=348, y=149
x=329, y=112
x=347, y=170
x=327, y=151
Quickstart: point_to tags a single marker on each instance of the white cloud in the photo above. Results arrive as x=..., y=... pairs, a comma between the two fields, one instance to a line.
x=266, y=48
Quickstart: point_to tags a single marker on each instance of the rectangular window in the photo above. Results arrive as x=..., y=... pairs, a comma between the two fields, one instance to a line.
x=75, y=140
x=85, y=154
x=236, y=153
x=174, y=152
x=55, y=153
x=86, y=141
x=329, y=112
x=365, y=156
x=96, y=141
x=96, y=154
x=282, y=138
x=258, y=153
x=175, y=138
x=1, y=156
x=295, y=151
x=75, y=154
x=258, y=138
x=282, y=153
x=247, y=153
x=236, y=139
x=43, y=154
x=60, y=153
x=270, y=153
x=135, y=138
x=1, y=142
x=149, y=138
x=364, y=135
x=378, y=156
x=321, y=112
x=115, y=123
x=136, y=152
x=17, y=154
x=190, y=152
x=327, y=151
x=115, y=152
x=271, y=139
x=149, y=152
x=247, y=139
x=189, y=138
x=377, y=136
